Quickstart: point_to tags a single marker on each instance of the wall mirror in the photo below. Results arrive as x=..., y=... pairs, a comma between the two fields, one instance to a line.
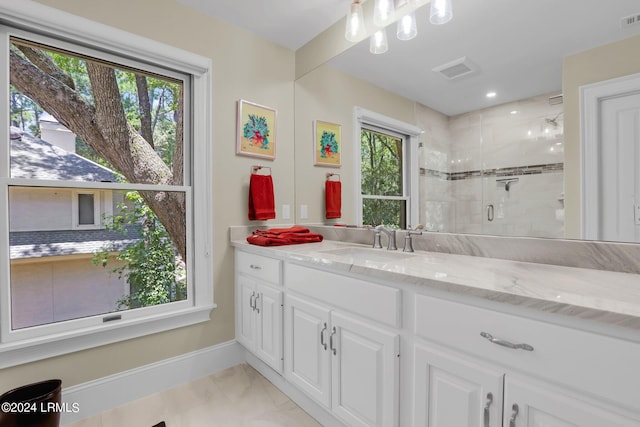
x=497, y=164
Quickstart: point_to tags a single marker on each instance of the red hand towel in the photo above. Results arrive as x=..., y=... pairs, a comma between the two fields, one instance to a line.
x=333, y=199
x=261, y=200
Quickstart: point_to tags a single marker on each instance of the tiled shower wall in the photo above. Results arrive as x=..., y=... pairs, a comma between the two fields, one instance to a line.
x=465, y=159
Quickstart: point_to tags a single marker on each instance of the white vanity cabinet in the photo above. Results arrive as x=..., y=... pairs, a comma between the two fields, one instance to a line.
x=479, y=368
x=451, y=390
x=259, y=307
x=343, y=361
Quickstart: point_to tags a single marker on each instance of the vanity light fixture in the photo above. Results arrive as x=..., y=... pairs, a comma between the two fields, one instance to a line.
x=441, y=12
x=383, y=13
x=407, y=28
x=378, y=43
x=355, y=30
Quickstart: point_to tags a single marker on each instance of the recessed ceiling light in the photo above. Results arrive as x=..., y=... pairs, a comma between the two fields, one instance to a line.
x=491, y=94
x=514, y=112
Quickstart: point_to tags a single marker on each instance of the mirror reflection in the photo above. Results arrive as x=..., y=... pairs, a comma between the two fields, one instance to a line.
x=491, y=95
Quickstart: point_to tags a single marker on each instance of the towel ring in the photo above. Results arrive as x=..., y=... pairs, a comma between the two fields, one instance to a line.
x=330, y=174
x=256, y=168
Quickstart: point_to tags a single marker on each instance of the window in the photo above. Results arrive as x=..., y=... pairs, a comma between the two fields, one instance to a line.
x=382, y=178
x=387, y=162
x=107, y=178
x=90, y=209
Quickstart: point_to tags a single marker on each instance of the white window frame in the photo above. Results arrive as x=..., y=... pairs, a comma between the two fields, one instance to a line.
x=75, y=210
x=368, y=119
x=22, y=346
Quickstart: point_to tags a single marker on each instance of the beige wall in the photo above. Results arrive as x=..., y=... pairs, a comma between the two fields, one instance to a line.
x=244, y=66
x=594, y=65
x=330, y=95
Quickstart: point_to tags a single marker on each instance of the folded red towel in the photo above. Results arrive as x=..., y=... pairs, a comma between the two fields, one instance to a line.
x=283, y=236
x=294, y=229
x=261, y=200
x=333, y=199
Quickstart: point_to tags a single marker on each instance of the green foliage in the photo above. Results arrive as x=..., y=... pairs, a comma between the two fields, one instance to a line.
x=328, y=144
x=381, y=172
x=151, y=266
x=257, y=130
x=163, y=97
x=24, y=113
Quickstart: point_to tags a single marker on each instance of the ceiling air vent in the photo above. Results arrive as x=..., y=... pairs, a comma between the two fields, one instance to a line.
x=455, y=69
x=630, y=21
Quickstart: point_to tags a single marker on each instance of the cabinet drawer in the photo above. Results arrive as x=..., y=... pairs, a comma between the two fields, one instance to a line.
x=588, y=362
x=377, y=302
x=258, y=266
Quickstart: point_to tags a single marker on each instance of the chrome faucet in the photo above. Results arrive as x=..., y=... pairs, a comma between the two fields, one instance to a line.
x=390, y=232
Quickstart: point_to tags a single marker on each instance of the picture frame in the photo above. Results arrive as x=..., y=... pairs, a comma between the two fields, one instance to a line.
x=327, y=144
x=256, y=130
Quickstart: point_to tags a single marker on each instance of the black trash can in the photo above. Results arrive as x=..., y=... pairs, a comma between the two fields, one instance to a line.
x=32, y=405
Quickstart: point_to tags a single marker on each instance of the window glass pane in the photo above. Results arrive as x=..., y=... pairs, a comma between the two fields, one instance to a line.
x=85, y=209
x=381, y=163
x=54, y=97
x=381, y=211
x=58, y=273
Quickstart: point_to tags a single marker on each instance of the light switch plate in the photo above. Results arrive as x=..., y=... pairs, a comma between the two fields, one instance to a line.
x=304, y=212
x=286, y=212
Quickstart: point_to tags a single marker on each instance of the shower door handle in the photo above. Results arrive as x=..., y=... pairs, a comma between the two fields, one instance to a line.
x=490, y=213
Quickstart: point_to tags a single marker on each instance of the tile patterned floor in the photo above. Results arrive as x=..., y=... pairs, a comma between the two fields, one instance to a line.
x=236, y=397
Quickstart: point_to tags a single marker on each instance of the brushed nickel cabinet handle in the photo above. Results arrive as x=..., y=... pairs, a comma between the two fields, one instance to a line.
x=514, y=413
x=252, y=301
x=255, y=304
x=333, y=349
x=487, y=408
x=322, y=341
x=255, y=267
x=506, y=343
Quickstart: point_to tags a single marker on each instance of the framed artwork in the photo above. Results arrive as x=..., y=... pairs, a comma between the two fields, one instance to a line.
x=256, y=134
x=327, y=143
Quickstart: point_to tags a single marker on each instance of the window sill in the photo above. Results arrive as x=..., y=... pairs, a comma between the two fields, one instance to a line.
x=21, y=352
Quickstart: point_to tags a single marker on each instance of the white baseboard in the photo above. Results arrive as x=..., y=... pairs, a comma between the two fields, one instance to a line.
x=106, y=393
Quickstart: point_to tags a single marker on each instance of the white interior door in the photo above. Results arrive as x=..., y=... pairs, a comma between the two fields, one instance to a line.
x=610, y=145
x=620, y=169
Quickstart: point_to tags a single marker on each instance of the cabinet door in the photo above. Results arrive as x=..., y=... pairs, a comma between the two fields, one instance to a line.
x=306, y=347
x=529, y=404
x=269, y=326
x=451, y=390
x=245, y=315
x=365, y=370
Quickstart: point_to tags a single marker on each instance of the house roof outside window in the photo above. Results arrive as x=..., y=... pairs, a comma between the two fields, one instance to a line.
x=34, y=158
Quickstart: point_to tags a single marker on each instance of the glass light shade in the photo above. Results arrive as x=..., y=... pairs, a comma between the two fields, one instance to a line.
x=383, y=13
x=378, y=43
x=355, y=30
x=441, y=12
x=407, y=28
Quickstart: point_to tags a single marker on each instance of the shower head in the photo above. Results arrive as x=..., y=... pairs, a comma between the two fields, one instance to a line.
x=553, y=122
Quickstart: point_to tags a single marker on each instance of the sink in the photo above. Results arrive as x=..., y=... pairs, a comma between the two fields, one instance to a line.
x=368, y=254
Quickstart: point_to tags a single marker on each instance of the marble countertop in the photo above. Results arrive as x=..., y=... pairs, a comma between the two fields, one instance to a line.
x=602, y=296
